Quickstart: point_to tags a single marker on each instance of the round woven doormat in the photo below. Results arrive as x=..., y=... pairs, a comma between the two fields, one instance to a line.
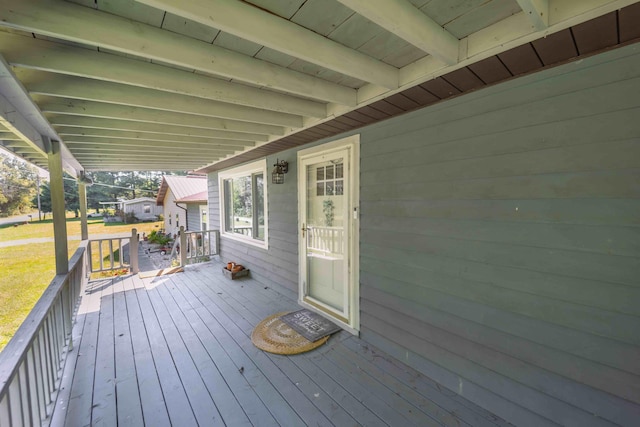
x=275, y=336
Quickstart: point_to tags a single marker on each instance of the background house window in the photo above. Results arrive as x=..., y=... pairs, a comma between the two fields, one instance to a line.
x=147, y=209
x=243, y=203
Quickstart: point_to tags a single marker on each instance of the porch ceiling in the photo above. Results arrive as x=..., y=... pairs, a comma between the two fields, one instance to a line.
x=174, y=85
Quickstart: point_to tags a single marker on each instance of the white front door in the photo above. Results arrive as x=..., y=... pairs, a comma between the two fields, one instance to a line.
x=328, y=238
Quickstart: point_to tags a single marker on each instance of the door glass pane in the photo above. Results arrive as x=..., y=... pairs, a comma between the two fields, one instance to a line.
x=325, y=235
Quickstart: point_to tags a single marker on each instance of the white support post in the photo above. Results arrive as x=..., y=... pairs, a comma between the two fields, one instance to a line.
x=82, y=195
x=133, y=252
x=183, y=247
x=57, y=204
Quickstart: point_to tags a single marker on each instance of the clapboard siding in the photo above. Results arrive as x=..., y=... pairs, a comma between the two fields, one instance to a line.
x=193, y=217
x=610, y=212
x=276, y=267
x=500, y=242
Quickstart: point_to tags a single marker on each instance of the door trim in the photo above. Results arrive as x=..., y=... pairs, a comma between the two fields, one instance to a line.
x=352, y=144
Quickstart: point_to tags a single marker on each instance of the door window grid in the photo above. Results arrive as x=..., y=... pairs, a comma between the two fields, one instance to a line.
x=330, y=180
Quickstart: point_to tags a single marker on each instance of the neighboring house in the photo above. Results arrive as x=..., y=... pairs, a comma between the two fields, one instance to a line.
x=197, y=207
x=144, y=208
x=184, y=200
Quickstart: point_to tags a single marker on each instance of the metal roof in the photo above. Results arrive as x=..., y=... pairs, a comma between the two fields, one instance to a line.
x=181, y=187
x=175, y=85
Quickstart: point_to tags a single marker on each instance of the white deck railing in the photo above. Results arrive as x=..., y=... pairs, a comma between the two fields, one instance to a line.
x=31, y=363
x=107, y=254
x=200, y=245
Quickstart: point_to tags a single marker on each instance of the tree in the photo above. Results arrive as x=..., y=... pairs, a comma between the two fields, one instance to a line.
x=71, y=198
x=17, y=186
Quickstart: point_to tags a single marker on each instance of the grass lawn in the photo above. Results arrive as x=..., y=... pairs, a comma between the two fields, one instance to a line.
x=28, y=269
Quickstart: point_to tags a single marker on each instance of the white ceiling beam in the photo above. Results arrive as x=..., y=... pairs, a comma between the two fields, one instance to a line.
x=139, y=166
x=177, y=143
x=172, y=133
x=142, y=151
x=68, y=21
x=115, y=157
x=73, y=112
x=99, y=148
x=75, y=145
x=139, y=152
x=251, y=23
x=28, y=52
x=537, y=11
x=403, y=19
x=21, y=116
x=38, y=82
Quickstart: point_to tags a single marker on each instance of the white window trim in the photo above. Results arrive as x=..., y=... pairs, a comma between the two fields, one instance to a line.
x=250, y=168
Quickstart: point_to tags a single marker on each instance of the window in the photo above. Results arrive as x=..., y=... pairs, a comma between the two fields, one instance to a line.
x=147, y=209
x=203, y=214
x=330, y=180
x=243, y=201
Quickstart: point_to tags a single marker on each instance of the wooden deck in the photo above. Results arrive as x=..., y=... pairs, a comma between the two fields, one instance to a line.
x=176, y=350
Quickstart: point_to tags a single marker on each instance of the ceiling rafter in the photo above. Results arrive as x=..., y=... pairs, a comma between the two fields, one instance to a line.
x=173, y=135
x=27, y=52
x=203, y=143
x=73, y=112
x=42, y=83
x=537, y=11
x=403, y=19
x=142, y=150
x=91, y=27
x=251, y=23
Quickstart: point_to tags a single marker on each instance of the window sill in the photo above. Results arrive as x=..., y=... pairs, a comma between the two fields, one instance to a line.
x=238, y=238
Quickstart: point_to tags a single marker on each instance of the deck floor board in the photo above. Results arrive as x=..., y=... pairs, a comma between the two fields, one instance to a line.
x=154, y=408
x=176, y=350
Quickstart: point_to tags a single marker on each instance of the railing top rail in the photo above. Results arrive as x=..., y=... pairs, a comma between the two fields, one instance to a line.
x=15, y=351
x=97, y=237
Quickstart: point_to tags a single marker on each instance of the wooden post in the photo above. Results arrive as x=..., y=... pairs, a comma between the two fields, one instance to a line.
x=57, y=205
x=82, y=195
x=183, y=247
x=133, y=251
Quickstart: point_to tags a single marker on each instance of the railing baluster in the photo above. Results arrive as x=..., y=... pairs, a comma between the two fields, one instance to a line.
x=49, y=347
x=25, y=398
x=44, y=374
x=101, y=257
x=5, y=411
x=111, y=261
x=14, y=403
x=34, y=393
x=121, y=253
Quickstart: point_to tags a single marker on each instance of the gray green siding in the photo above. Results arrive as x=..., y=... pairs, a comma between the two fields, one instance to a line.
x=500, y=247
x=193, y=216
x=500, y=242
x=276, y=267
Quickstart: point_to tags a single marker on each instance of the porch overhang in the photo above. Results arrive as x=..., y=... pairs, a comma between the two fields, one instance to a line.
x=165, y=86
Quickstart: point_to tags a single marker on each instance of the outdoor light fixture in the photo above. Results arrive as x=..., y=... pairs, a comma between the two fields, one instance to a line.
x=280, y=168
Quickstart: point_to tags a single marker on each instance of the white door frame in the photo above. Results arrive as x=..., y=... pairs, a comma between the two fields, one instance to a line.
x=352, y=145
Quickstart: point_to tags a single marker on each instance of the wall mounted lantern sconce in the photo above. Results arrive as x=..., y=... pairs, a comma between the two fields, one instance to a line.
x=280, y=168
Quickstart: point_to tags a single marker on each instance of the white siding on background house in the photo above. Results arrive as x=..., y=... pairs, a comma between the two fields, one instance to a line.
x=499, y=248
x=171, y=212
